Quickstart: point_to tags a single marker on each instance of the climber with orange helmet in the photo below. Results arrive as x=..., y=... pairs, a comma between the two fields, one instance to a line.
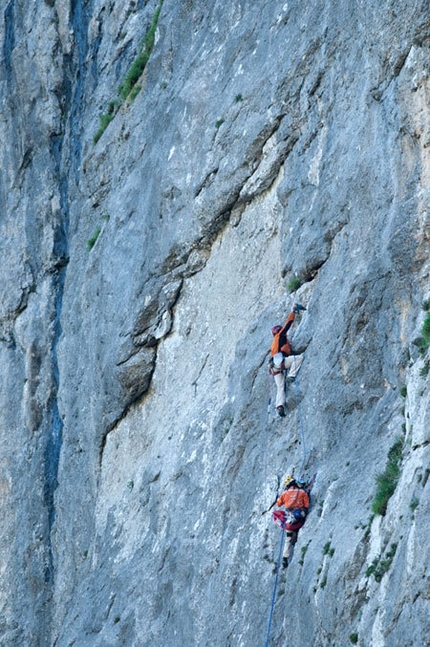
x=282, y=358
x=295, y=500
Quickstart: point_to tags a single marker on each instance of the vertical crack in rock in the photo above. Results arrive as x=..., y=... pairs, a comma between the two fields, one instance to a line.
x=53, y=447
x=9, y=38
x=81, y=14
x=81, y=11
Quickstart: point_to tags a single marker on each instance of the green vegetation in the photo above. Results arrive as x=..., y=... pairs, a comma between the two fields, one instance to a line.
x=426, y=305
x=139, y=64
x=403, y=391
x=387, y=481
x=227, y=426
x=105, y=121
x=303, y=551
x=414, y=504
x=129, y=89
x=328, y=550
x=371, y=569
x=423, y=342
x=386, y=563
x=379, y=568
x=135, y=91
x=92, y=241
x=219, y=123
x=323, y=583
x=353, y=638
x=425, y=330
x=238, y=98
x=294, y=284
x=425, y=369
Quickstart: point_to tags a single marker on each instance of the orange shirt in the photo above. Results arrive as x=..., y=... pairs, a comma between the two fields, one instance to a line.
x=294, y=497
x=280, y=343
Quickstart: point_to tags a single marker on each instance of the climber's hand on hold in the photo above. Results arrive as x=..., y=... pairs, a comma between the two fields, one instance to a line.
x=298, y=307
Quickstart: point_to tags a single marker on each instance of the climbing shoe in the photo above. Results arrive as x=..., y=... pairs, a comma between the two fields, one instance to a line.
x=291, y=379
x=281, y=411
x=285, y=562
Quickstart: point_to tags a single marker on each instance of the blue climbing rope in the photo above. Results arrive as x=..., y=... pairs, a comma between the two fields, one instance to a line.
x=275, y=587
x=269, y=402
x=302, y=432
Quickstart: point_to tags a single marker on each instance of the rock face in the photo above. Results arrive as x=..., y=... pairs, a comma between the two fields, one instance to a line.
x=140, y=277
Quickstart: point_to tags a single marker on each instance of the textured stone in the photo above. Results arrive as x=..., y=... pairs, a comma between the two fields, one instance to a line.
x=140, y=278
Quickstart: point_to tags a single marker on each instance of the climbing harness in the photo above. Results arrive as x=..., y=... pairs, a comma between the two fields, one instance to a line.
x=285, y=518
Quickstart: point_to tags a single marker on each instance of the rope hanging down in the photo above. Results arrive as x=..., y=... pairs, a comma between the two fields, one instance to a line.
x=281, y=546
x=302, y=426
x=302, y=432
x=299, y=407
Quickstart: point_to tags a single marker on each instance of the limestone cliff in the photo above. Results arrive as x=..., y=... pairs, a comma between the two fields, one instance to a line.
x=171, y=182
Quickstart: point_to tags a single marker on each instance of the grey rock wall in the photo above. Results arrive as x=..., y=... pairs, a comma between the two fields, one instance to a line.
x=140, y=278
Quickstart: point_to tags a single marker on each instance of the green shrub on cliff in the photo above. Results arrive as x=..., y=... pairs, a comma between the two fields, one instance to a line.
x=294, y=284
x=105, y=119
x=425, y=330
x=387, y=481
x=92, y=241
x=139, y=64
x=423, y=341
x=129, y=88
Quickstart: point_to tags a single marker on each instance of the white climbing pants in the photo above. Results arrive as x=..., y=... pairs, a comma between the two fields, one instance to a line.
x=293, y=363
x=290, y=540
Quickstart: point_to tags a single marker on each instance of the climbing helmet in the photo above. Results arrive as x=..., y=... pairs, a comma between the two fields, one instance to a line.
x=276, y=329
x=288, y=480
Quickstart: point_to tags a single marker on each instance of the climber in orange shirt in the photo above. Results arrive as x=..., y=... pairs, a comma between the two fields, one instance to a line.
x=282, y=358
x=295, y=500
